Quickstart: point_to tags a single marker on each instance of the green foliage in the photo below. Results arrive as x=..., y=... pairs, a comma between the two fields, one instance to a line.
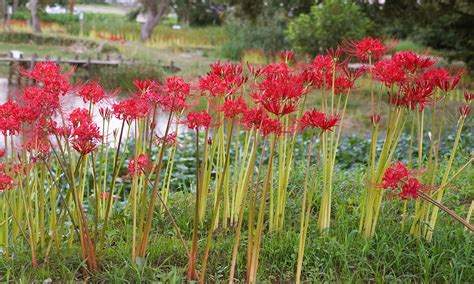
x=52, y=40
x=340, y=257
x=326, y=25
x=267, y=35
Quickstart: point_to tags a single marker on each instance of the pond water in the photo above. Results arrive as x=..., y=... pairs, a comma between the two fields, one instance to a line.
x=70, y=102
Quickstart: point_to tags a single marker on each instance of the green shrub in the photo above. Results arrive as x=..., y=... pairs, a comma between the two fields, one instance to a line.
x=267, y=34
x=326, y=25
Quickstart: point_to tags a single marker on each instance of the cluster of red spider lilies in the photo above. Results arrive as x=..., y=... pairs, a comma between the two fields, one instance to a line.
x=61, y=171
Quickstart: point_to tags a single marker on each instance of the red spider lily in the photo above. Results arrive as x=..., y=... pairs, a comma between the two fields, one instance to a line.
x=341, y=85
x=196, y=120
x=468, y=97
x=38, y=146
x=170, y=139
x=138, y=165
x=50, y=76
x=418, y=95
x=465, y=110
x=388, y=72
x=130, y=109
x=353, y=73
x=144, y=85
x=317, y=119
x=269, y=126
x=212, y=84
x=368, y=47
x=224, y=79
x=375, y=119
x=232, y=108
x=10, y=123
x=253, y=117
x=173, y=95
x=287, y=56
x=85, y=133
x=2, y=153
x=105, y=113
x=442, y=79
x=40, y=101
x=411, y=62
x=79, y=116
x=279, y=93
x=6, y=182
x=320, y=71
x=92, y=92
x=335, y=54
x=104, y=195
x=411, y=188
x=397, y=173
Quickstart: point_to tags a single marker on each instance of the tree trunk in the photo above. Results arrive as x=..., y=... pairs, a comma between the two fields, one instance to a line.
x=72, y=3
x=35, y=22
x=154, y=12
x=149, y=26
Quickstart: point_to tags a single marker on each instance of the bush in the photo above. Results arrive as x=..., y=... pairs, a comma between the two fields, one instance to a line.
x=326, y=25
x=266, y=34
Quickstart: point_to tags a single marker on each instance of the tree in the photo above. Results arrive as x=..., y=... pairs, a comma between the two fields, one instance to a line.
x=35, y=22
x=326, y=25
x=154, y=11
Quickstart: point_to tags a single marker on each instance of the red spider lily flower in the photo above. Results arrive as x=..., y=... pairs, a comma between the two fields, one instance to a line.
x=196, y=120
x=442, y=79
x=172, y=97
x=320, y=71
x=104, y=195
x=105, y=113
x=10, y=123
x=335, y=54
x=468, y=97
x=40, y=101
x=317, y=119
x=224, y=79
x=144, y=85
x=138, y=165
x=411, y=188
x=170, y=139
x=255, y=70
x=375, y=119
x=51, y=77
x=252, y=117
x=341, y=85
x=269, y=126
x=280, y=91
x=85, y=133
x=6, y=182
x=388, y=72
x=92, y=92
x=2, y=153
x=232, y=108
x=353, y=73
x=212, y=84
x=38, y=145
x=397, y=173
x=287, y=56
x=411, y=62
x=368, y=47
x=19, y=169
x=130, y=109
x=465, y=110
x=78, y=116
x=418, y=95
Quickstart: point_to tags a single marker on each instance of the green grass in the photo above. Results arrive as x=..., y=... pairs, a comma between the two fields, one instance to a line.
x=342, y=256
